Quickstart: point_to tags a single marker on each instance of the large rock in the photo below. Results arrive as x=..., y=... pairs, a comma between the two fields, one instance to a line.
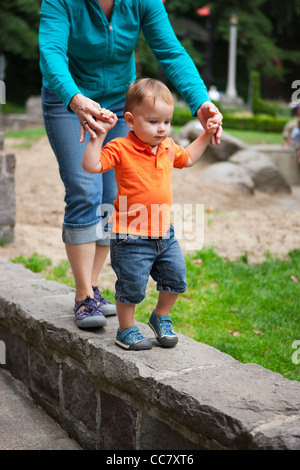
x=213, y=153
x=230, y=173
x=262, y=169
x=228, y=146
x=191, y=130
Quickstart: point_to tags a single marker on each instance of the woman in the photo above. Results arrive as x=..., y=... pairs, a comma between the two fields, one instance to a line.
x=87, y=62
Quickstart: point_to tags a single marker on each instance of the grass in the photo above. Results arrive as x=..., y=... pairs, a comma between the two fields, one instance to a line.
x=42, y=264
x=26, y=137
x=250, y=312
x=256, y=137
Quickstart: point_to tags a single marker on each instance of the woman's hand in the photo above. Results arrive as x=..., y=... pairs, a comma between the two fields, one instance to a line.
x=206, y=111
x=89, y=115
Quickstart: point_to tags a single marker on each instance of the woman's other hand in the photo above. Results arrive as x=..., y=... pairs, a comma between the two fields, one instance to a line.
x=206, y=111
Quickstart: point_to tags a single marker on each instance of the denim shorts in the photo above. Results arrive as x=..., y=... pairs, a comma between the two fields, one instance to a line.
x=135, y=258
x=85, y=194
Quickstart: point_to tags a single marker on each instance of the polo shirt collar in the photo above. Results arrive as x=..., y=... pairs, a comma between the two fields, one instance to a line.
x=142, y=146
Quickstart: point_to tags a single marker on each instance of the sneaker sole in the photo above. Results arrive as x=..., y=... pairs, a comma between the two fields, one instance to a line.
x=140, y=345
x=165, y=341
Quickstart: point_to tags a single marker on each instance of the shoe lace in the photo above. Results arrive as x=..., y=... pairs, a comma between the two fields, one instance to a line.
x=102, y=299
x=89, y=309
x=166, y=325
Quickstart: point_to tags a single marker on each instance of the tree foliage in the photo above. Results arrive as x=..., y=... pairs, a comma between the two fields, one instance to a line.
x=267, y=39
x=267, y=34
x=19, y=21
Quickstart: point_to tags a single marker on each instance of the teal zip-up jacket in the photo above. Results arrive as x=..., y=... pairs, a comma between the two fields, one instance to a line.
x=82, y=52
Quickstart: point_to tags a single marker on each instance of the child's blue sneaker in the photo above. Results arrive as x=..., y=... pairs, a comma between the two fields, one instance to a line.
x=163, y=330
x=132, y=339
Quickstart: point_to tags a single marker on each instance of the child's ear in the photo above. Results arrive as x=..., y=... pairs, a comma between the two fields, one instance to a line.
x=129, y=118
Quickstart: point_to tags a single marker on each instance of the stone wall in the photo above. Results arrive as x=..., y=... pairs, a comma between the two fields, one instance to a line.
x=33, y=117
x=7, y=194
x=188, y=398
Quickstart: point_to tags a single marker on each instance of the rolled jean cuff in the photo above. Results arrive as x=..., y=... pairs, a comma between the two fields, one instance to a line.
x=85, y=234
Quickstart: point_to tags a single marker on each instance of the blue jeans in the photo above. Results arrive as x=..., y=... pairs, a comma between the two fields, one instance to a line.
x=135, y=258
x=84, y=193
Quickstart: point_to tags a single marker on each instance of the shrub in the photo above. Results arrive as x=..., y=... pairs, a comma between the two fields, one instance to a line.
x=259, y=106
x=254, y=123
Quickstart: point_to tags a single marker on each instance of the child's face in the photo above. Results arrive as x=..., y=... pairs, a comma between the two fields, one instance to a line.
x=151, y=123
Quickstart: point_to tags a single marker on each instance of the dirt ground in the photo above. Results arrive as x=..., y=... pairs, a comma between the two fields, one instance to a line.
x=234, y=223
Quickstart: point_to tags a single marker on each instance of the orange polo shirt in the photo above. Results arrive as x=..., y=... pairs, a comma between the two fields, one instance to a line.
x=143, y=203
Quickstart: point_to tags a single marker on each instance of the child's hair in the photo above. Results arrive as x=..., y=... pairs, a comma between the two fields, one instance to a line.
x=147, y=89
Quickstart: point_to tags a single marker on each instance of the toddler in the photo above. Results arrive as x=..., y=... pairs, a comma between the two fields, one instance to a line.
x=142, y=239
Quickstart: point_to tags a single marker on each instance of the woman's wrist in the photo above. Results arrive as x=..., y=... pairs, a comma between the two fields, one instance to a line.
x=75, y=102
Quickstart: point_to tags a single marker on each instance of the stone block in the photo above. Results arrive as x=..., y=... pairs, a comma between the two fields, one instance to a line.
x=118, y=424
x=34, y=108
x=155, y=434
x=44, y=374
x=79, y=396
x=16, y=354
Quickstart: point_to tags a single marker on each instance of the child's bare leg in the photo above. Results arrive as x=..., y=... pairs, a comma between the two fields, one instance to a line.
x=125, y=314
x=160, y=321
x=165, y=302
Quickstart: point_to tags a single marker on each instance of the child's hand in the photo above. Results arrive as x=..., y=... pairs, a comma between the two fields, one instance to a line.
x=108, y=119
x=213, y=124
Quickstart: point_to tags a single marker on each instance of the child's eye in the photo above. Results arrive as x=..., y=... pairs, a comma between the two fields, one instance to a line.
x=153, y=122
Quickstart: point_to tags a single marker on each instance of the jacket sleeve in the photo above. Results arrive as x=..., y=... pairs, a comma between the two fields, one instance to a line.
x=173, y=58
x=54, y=33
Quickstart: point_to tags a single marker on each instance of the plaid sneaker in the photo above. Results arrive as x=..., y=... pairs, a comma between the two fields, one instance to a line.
x=132, y=339
x=105, y=306
x=163, y=330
